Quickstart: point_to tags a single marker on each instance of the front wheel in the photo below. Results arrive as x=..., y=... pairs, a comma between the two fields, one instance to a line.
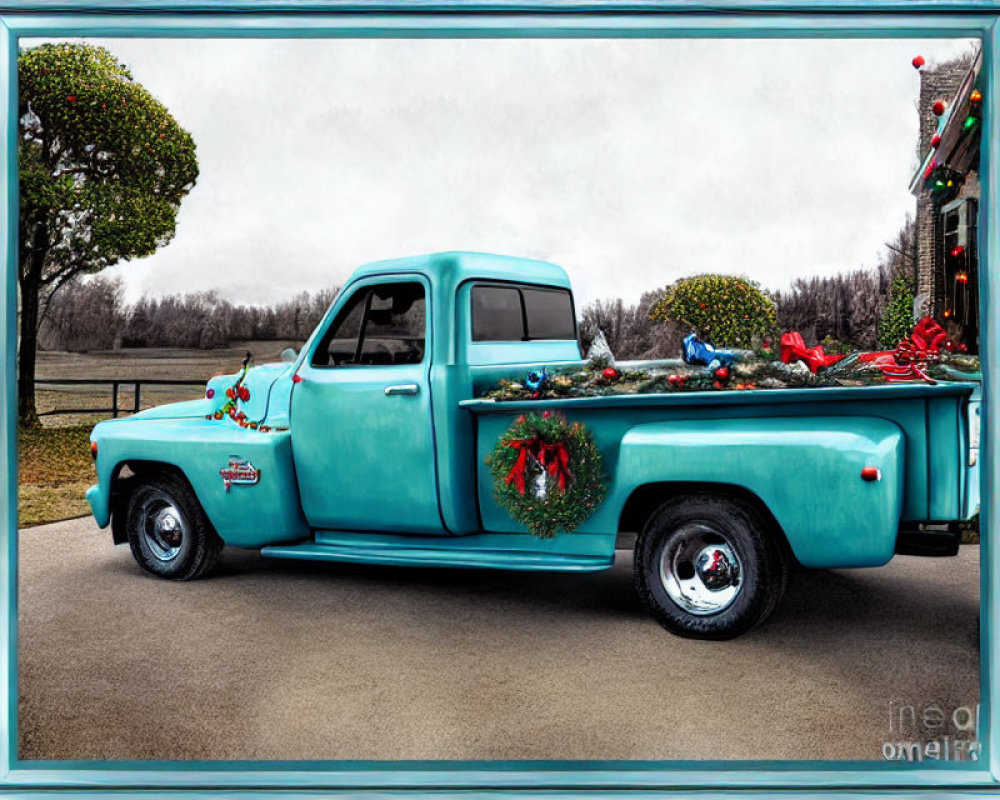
x=168, y=532
x=709, y=567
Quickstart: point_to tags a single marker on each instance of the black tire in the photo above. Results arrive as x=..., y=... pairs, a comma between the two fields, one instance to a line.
x=709, y=566
x=167, y=529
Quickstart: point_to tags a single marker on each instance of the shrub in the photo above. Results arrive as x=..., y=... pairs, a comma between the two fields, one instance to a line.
x=726, y=310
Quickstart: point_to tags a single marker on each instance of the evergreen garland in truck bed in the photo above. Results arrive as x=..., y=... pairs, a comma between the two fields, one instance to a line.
x=756, y=371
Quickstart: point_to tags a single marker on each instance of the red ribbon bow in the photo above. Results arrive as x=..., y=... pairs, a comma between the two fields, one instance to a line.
x=793, y=348
x=552, y=456
x=909, y=360
x=928, y=335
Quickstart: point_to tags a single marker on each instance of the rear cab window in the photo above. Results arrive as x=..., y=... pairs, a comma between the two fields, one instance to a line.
x=521, y=313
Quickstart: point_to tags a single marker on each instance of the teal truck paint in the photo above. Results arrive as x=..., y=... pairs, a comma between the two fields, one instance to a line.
x=369, y=446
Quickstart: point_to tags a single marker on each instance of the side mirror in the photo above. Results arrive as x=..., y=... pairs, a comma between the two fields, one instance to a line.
x=288, y=355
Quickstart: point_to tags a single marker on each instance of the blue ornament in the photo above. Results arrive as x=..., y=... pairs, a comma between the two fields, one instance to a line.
x=698, y=352
x=535, y=380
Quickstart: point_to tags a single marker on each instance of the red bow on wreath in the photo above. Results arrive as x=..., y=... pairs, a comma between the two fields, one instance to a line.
x=552, y=456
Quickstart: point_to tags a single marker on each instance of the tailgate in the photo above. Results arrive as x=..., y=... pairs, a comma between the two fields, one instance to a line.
x=970, y=500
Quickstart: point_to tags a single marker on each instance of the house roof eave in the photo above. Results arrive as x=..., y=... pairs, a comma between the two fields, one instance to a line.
x=949, y=129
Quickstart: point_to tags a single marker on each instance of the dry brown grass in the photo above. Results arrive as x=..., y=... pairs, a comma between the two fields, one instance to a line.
x=54, y=470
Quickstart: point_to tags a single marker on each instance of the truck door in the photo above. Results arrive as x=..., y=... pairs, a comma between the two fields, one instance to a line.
x=362, y=434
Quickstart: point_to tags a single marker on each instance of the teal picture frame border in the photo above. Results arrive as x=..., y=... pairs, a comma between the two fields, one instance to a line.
x=525, y=19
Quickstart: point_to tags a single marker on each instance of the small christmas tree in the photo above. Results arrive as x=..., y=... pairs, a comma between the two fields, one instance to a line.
x=896, y=323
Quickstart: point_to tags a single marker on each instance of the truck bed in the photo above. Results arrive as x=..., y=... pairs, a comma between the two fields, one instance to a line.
x=934, y=420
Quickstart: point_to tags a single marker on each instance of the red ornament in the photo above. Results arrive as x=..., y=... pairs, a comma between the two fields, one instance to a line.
x=231, y=393
x=210, y=393
x=976, y=96
x=964, y=348
x=71, y=98
x=722, y=373
x=718, y=384
x=918, y=62
x=938, y=107
x=957, y=251
x=611, y=374
x=935, y=140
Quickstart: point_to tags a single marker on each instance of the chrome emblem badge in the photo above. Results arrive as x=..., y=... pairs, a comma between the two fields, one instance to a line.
x=239, y=472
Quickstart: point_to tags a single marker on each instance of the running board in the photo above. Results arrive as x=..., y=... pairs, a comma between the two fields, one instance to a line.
x=439, y=557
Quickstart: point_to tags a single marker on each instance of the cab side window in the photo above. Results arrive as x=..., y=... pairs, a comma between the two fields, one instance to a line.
x=340, y=342
x=394, y=325
x=380, y=325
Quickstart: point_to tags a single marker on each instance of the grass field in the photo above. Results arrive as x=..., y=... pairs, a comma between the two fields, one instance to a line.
x=54, y=464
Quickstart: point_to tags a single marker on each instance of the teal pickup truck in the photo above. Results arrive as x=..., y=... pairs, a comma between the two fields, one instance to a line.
x=369, y=446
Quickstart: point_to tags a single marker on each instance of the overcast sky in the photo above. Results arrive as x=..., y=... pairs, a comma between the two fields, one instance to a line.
x=629, y=162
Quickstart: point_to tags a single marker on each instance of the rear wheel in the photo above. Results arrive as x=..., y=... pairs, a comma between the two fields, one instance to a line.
x=709, y=567
x=168, y=532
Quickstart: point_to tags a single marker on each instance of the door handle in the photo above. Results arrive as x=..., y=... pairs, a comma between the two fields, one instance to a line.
x=405, y=388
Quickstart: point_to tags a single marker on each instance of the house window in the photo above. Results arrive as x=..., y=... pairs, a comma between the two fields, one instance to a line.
x=958, y=274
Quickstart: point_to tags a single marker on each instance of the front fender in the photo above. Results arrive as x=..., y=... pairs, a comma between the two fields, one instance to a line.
x=807, y=471
x=266, y=512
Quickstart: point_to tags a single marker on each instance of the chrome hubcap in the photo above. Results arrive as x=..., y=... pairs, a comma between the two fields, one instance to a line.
x=162, y=526
x=699, y=569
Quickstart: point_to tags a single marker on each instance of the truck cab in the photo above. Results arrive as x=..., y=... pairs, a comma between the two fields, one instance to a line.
x=399, y=350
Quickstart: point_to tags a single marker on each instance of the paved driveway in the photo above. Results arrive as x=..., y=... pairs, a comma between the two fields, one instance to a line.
x=294, y=660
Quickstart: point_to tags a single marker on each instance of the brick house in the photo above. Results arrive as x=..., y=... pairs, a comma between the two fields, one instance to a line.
x=947, y=190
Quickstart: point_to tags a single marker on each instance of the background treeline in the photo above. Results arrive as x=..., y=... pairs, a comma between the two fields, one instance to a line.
x=842, y=309
x=89, y=315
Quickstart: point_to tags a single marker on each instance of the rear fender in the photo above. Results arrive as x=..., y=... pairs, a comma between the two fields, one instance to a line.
x=807, y=472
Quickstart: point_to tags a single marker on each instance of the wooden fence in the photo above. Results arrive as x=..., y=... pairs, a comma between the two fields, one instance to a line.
x=115, y=383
